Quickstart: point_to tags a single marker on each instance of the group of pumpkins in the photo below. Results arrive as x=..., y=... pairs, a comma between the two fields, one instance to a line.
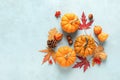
x=84, y=45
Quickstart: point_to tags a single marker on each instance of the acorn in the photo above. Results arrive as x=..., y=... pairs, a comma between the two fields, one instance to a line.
x=90, y=16
x=69, y=39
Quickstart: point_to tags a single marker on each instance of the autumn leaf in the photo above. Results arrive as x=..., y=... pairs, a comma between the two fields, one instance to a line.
x=50, y=53
x=46, y=58
x=52, y=33
x=44, y=51
x=85, y=24
x=84, y=63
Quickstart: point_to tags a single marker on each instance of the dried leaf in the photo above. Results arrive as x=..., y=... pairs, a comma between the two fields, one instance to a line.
x=84, y=24
x=99, y=53
x=44, y=51
x=52, y=33
x=84, y=62
x=46, y=58
x=50, y=52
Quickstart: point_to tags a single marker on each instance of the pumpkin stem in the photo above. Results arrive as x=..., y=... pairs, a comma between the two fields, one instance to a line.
x=67, y=55
x=72, y=21
x=86, y=43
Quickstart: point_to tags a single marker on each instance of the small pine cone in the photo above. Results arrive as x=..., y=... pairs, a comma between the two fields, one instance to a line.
x=51, y=43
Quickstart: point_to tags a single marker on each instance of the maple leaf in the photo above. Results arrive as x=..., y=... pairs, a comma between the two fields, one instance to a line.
x=84, y=63
x=50, y=52
x=85, y=24
x=44, y=51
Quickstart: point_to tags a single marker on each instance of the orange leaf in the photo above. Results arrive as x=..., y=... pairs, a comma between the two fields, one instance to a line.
x=46, y=58
x=44, y=51
x=50, y=53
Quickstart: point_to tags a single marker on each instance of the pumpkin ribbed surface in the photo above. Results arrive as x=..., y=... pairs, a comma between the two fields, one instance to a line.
x=70, y=23
x=84, y=45
x=65, y=56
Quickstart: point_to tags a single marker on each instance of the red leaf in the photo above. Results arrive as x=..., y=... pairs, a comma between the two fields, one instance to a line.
x=84, y=24
x=84, y=62
x=57, y=14
x=83, y=18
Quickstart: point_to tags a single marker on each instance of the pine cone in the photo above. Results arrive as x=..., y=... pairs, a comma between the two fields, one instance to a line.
x=51, y=43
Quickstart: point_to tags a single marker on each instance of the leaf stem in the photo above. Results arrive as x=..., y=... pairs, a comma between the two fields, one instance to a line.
x=85, y=31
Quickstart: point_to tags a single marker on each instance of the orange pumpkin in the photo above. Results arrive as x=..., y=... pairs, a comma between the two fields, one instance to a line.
x=65, y=56
x=70, y=23
x=84, y=45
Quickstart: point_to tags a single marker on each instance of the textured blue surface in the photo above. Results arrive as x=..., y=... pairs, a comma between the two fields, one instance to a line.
x=23, y=31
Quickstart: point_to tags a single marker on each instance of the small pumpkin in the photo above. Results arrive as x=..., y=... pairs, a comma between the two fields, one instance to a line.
x=101, y=55
x=84, y=45
x=65, y=56
x=70, y=23
x=102, y=36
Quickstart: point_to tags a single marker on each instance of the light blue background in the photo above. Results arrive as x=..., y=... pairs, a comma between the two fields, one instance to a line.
x=23, y=31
